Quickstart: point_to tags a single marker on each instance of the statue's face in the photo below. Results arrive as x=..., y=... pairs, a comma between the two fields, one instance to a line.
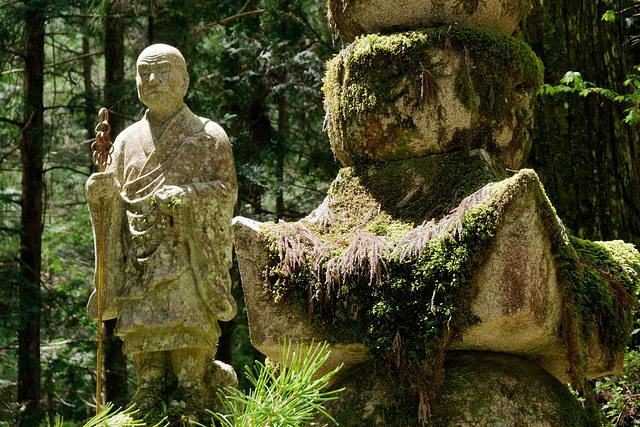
x=162, y=78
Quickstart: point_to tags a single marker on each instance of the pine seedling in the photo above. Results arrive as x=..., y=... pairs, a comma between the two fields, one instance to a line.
x=289, y=398
x=106, y=418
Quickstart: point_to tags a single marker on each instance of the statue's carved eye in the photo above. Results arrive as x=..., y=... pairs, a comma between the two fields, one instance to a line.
x=143, y=72
x=162, y=69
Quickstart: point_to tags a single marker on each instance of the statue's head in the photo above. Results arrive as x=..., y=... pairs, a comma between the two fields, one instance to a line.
x=162, y=77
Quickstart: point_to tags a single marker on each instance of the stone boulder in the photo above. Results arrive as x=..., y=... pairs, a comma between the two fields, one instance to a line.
x=478, y=389
x=426, y=92
x=357, y=17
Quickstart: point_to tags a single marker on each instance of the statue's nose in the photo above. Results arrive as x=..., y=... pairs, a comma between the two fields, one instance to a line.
x=152, y=77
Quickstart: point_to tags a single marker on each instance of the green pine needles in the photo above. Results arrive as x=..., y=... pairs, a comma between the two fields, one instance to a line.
x=288, y=398
x=108, y=417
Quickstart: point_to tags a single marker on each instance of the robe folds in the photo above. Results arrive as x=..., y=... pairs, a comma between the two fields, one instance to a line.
x=166, y=274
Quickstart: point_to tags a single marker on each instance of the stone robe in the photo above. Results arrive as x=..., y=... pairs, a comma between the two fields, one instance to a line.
x=166, y=277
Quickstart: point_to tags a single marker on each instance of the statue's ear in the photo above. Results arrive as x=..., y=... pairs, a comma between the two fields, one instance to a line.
x=185, y=83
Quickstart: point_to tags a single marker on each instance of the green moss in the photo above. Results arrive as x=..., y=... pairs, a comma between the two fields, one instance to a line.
x=391, y=307
x=603, y=279
x=183, y=410
x=407, y=306
x=362, y=82
x=600, y=289
x=477, y=385
x=408, y=192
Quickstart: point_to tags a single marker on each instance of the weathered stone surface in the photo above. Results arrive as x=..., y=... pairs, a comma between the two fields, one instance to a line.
x=419, y=93
x=479, y=389
x=217, y=376
x=270, y=323
x=519, y=306
x=357, y=17
x=519, y=296
x=491, y=389
x=168, y=199
x=423, y=264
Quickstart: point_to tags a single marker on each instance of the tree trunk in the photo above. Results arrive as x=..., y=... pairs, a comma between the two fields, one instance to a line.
x=225, y=349
x=115, y=366
x=114, y=89
x=89, y=113
x=283, y=134
x=587, y=158
x=29, y=371
x=115, y=362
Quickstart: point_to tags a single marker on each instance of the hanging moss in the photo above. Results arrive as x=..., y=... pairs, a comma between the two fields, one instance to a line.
x=601, y=290
x=406, y=291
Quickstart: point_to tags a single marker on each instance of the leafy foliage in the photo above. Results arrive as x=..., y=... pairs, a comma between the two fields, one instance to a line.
x=573, y=82
x=289, y=397
x=619, y=394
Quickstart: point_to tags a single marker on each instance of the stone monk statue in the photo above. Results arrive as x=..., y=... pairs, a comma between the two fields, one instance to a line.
x=169, y=195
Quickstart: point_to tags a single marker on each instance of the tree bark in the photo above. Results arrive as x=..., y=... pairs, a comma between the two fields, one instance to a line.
x=587, y=158
x=283, y=134
x=29, y=371
x=115, y=366
x=115, y=362
x=89, y=113
x=225, y=349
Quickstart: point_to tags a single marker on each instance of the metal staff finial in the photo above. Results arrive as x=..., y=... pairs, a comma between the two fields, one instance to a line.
x=102, y=149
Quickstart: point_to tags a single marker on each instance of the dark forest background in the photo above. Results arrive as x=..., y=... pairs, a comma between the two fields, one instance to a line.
x=256, y=68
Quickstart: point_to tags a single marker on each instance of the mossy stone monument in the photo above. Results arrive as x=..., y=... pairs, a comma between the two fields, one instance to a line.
x=438, y=271
x=168, y=195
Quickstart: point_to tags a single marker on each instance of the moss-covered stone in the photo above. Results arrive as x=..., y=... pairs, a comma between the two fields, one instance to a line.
x=479, y=389
x=423, y=92
x=498, y=389
x=601, y=300
x=406, y=292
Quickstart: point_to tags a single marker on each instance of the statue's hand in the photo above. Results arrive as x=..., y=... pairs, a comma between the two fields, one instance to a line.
x=102, y=184
x=171, y=199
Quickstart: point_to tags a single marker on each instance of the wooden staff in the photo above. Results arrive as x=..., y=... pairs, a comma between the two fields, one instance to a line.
x=102, y=149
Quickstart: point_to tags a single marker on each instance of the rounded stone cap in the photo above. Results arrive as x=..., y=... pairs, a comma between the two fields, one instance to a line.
x=426, y=92
x=490, y=389
x=356, y=17
x=479, y=389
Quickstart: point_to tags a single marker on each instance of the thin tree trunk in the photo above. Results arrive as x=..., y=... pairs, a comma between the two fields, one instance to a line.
x=586, y=157
x=29, y=371
x=225, y=349
x=89, y=113
x=283, y=135
x=115, y=366
x=115, y=362
x=114, y=73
